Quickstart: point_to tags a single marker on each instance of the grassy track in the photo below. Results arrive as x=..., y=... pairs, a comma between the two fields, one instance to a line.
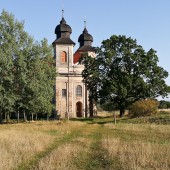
x=87, y=144
x=97, y=157
x=32, y=163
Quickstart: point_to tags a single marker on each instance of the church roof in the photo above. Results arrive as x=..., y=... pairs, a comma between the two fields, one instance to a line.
x=76, y=56
x=85, y=36
x=63, y=41
x=81, y=50
x=63, y=27
x=86, y=48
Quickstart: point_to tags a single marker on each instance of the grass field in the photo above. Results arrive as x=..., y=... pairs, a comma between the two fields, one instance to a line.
x=87, y=144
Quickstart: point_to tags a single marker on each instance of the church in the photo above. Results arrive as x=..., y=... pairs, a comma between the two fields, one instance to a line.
x=71, y=94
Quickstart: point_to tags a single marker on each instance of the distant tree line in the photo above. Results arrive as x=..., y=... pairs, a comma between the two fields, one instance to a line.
x=27, y=72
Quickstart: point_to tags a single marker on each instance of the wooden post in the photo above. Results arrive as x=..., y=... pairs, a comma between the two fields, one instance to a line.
x=114, y=115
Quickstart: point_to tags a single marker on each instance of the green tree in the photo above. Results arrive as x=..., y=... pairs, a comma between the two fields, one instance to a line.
x=27, y=72
x=7, y=52
x=91, y=78
x=124, y=72
x=41, y=82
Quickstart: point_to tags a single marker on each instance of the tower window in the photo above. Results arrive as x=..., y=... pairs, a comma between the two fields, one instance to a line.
x=64, y=92
x=63, y=57
x=78, y=90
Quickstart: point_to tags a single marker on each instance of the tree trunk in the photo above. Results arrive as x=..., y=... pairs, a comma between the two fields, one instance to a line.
x=25, y=118
x=0, y=117
x=18, y=116
x=7, y=118
x=36, y=116
x=47, y=117
x=122, y=111
x=91, y=108
x=32, y=116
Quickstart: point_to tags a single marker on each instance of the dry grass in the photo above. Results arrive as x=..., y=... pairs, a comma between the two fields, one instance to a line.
x=75, y=145
x=165, y=110
x=138, y=155
x=107, y=113
x=20, y=142
x=63, y=158
x=145, y=150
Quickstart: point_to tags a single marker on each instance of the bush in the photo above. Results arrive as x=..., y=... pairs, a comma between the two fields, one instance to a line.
x=164, y=104
x=144, y=108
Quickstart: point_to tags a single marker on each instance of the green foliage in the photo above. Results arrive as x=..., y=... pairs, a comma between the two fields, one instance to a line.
x=164, y=104
x=109, y=106
x=26, y=68
x=91, y=76
x=144, y=108
x=168, y=89
x=123, y=72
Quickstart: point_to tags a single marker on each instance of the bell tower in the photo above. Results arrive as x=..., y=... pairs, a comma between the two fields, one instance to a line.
x=63, y=53
x=71, y=95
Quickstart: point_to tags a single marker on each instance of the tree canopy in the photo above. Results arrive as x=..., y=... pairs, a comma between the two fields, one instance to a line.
x=27, y=71
x=123, y=72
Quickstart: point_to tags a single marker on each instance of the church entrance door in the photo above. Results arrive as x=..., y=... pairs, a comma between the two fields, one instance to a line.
x=79, y=109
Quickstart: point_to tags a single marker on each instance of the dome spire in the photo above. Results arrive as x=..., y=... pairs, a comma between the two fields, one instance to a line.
x=62, y=13
x=85, y=29
x=62, y=20
x=84, y=24
x=63, y=31
x=85, y=38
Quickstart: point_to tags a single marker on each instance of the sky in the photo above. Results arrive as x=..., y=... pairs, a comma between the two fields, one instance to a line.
x=147, y=21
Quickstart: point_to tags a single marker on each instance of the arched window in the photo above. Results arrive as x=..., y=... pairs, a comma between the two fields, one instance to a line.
x=78, y=90
x=63, y=57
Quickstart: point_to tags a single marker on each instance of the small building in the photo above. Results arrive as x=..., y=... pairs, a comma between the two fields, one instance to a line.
x=72, y=96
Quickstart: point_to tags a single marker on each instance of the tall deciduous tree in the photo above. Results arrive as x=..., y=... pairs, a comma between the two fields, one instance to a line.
x=125, y=72
x=7, y=51
x=41, y=75
x=27, y=73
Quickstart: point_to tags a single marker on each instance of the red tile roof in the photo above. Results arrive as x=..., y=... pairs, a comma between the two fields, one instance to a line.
x=76, y=56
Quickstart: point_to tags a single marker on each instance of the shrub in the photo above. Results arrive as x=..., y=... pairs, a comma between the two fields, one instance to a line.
x=164, y=104
x=144, y=108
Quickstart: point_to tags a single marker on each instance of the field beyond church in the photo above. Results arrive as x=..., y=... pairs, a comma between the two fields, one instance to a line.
x=87, y=144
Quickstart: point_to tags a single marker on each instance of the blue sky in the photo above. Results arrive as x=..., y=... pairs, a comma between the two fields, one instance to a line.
x=144, y=20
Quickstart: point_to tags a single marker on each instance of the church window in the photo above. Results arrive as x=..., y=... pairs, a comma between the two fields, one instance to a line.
x=63, y=57
x=78, y=90
x=64, y=92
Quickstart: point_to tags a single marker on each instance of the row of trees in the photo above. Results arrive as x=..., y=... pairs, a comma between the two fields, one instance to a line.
x=122, y=73
x=27, y=71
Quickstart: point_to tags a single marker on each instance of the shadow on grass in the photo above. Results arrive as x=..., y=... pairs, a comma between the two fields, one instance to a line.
x=95, y=120
x=101, y=123
x=82, y=119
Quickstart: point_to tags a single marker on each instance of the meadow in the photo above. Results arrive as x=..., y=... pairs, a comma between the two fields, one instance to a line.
x=87, y=144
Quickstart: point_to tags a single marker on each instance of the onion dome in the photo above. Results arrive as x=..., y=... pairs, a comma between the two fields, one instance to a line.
x=63, y=27
x=63, y=32
x=85, y=38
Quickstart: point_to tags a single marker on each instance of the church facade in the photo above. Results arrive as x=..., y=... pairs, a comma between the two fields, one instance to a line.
x=71, y=94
